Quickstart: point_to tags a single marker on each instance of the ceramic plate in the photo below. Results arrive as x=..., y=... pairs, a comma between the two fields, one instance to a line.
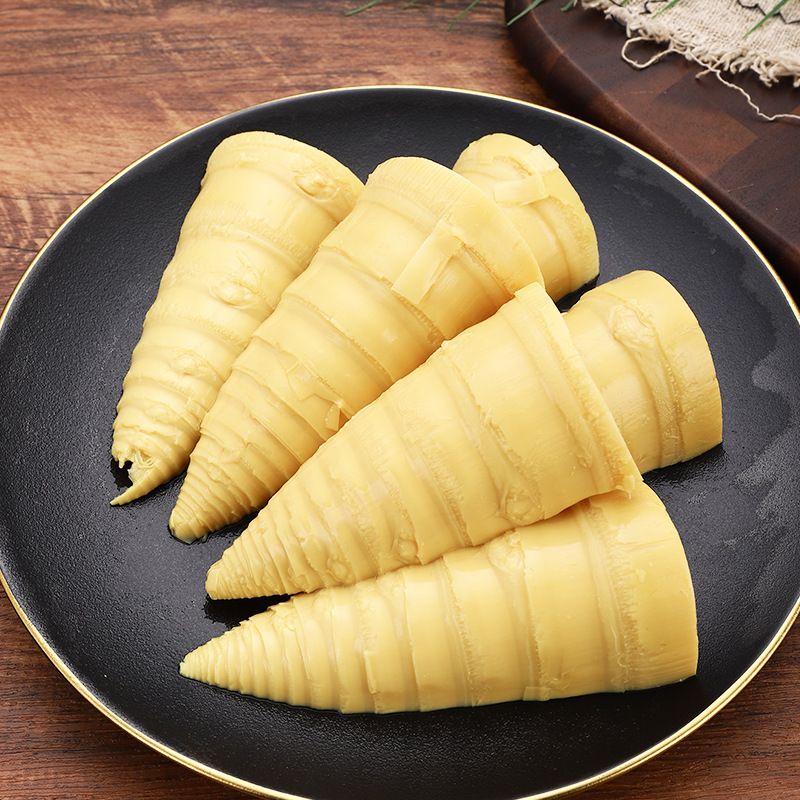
x=116, y=602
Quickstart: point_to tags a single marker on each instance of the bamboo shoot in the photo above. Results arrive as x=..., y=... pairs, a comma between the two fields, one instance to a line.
x=596, y=599
x=264, y=205
x=423, y=255
x=502, y=426
x=530, y=187
x=647, y=353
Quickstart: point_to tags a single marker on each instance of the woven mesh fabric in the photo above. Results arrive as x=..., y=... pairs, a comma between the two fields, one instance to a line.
x=717, y=34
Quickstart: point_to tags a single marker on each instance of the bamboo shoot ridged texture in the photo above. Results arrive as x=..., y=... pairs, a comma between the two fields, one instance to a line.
x=528, y=184
x=502, y=426
x=596, y=599
x=264, y=205
x=423, y=255
x=647, y=353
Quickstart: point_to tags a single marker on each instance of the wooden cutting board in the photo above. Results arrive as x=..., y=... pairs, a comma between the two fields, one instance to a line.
x=699, y=127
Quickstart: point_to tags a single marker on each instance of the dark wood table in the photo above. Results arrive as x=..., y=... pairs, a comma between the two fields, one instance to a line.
x=87, y=88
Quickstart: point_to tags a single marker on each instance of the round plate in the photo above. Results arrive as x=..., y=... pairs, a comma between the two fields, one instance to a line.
x=116, y=602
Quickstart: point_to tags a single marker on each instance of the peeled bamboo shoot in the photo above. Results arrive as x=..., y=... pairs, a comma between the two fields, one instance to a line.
x=647, y=353
x=596, y=599
x=530, y=187
x=502, y=426
x=264, y=205
x=423, y=255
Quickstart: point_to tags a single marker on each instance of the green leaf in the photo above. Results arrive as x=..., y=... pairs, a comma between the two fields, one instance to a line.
x=461, y=15
x=667, y=7
x=771, y=13
x=362, y=8
x=525, y=11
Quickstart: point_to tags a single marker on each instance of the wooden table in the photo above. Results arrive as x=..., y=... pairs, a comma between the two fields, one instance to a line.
x=87, y=88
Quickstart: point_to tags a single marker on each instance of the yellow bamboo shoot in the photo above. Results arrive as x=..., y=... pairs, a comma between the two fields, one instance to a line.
x=648, y=355
x=530, y=187
x=596, y=599
x=502, y=426
x=423, y=255
x=265, y=203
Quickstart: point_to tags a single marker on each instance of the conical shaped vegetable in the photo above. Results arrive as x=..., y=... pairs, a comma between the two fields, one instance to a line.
x=423, y=255
x=596, y=599
x=502, y=426
x=265, y=204
x=530, y=187
x=649, y=357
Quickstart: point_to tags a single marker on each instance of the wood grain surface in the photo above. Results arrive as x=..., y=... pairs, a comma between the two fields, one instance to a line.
x=748, y=165
x=86, y=88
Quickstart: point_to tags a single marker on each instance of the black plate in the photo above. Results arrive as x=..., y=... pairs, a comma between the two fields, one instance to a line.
x=116, y=602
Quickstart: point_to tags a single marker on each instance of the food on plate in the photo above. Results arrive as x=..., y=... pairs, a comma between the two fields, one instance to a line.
x=265, y=203
x=648, y=355
x=596, y=599
x=528, y=184
x=433, y=447
x=502, y=426
x=424, y=254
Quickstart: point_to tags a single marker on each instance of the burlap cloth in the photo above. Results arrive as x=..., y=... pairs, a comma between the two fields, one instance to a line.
x=716, y=34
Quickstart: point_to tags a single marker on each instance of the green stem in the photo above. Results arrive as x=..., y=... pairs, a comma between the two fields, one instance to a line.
x=666, y=7
x=362, y=8
x=525, y=11
x=771, y=13
x=463, y=13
